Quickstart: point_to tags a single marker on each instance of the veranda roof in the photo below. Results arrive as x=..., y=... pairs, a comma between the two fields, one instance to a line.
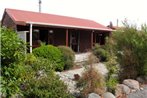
x=21, y=17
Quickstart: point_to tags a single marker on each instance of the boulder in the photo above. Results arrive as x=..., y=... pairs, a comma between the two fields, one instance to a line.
x=122, y=89
x=126, y=90
x=93, y=95
x=140, y=79
x=108, y=95
x=133, y=84
x=139, y=94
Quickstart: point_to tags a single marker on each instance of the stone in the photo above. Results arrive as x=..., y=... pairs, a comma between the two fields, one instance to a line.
x=93, y=95
x=108, y=95
x=139, y=94
x=133, y=84
x=140, y=79
x=76, y=77
x=118, y=91
x=125, y=89
x=122, y=89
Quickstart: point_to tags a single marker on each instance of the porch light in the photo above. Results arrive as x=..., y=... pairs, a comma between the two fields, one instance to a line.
x=51, y=31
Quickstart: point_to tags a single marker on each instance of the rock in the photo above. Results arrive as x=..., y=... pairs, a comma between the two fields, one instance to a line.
x=93, y=95
x=122, y=89
x=118, y=91
x=133, y=84
x=139, y=94
x=126, y=89
x=108, y=95
x=140, y=79
x=76, y=77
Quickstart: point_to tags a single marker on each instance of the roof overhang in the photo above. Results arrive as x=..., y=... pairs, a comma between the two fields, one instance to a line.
x=66, y=26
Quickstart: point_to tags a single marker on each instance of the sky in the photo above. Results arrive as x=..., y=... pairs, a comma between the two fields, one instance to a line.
x=101, y=11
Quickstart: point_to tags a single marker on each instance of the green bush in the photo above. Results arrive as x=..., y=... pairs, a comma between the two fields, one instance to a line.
x=112, y=66
x=12, y=48
x=30, y=76
x=12, y=54
x=100, y=53
x=129, y=45
x=38, y=63
x=112, y=76
x=68, y=56
x=52, y=53
x=40, y=80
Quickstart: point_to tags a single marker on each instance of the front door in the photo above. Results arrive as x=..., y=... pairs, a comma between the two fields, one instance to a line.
x=51, y=38
x=74, y=41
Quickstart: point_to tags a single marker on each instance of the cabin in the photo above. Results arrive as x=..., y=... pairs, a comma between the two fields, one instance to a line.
x=34, y=27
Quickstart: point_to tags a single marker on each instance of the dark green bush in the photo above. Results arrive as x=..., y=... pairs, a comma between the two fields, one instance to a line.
x=12, y=48
x=12, y=54
x=68, y=56
x=40, y=80
x=31, y=77
x=129, y=45
x=100, y=53
x=52, y=53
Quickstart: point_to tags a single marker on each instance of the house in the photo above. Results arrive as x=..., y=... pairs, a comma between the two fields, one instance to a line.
x=79, y=34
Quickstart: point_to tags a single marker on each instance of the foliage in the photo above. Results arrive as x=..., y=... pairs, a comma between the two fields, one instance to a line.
x=68, y=56
x=28, y=76
x=11, y=47
x=40, y=80
x=91, y=80
x=145, y=69
x=112, y=76
x=131, y=50
x=112, y=66
x=100, y=52
x=12, y=53
x=52, y=53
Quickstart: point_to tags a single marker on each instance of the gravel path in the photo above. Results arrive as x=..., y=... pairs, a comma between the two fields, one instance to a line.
x=68, y=76
x=99, y=66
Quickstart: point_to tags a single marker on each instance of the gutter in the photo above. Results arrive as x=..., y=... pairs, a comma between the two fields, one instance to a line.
x=70, y=26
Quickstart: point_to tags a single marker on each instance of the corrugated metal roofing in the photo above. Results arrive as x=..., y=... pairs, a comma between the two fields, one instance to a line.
x=27, y=17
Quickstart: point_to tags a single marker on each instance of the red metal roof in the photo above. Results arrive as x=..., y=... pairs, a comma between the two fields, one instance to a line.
x=27, y=17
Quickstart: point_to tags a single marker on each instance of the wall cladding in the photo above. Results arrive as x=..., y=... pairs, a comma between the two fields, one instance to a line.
x=8, y=22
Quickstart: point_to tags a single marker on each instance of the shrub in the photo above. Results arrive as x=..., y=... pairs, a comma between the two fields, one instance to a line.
x=12, y=48
x=40, y=80
x=52, y=53
x=131, y=50
x=38, y=63
x=12, y=53
x=112, y=66
x=49, y=87
x=68, y=56
x=100, y=52
x=91, y=80
x=112, y=76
